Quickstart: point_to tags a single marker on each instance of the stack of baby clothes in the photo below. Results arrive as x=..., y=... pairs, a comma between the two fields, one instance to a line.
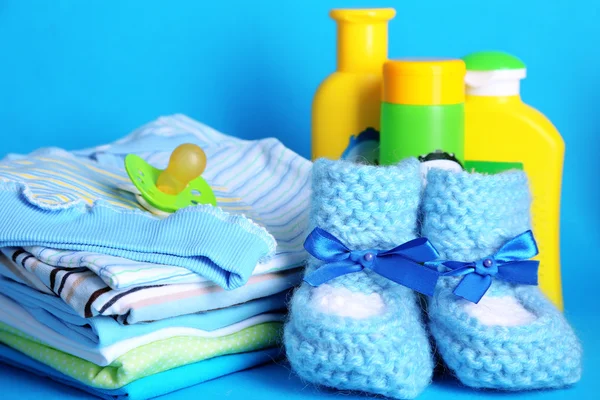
x=103, y=295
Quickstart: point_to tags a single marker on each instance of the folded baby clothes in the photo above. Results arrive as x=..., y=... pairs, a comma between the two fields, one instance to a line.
x=145, y=360
x=154, y=385
x=121, y=273
x=99, y=293
x=227, y=255
x=101, y=332
x=85, y=202
x=17, y=317
x=89, y=295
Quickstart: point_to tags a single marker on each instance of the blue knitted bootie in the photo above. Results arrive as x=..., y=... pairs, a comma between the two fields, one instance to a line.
x=508, y=336
x=361, y=331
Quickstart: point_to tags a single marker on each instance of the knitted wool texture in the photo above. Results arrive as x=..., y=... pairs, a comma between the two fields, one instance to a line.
x=468, y=217
x=389, y=353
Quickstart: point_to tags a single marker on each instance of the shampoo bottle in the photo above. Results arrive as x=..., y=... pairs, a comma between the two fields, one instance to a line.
x=346, y=107
x=422, y=113
x=502, y=132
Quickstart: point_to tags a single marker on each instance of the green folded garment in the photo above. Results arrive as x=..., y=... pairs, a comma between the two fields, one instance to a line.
x=145, y=360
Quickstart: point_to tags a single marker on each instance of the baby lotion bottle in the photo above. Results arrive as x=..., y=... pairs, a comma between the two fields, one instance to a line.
x=502, y=132
x=422, y=113
x=346, y=107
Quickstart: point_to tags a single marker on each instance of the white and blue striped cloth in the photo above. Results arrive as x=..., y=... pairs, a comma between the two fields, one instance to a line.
x=260, y=180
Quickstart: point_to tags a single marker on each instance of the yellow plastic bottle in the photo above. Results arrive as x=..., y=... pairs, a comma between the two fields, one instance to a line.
x=346, y=107
x=502, y=132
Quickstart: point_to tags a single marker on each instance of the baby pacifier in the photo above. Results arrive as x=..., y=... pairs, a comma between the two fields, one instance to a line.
x=179, y=185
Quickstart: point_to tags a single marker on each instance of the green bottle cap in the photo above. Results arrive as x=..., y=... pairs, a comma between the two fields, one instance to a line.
x=492, y=61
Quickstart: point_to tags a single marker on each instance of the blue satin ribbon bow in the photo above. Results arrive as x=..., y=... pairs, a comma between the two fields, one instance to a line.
x=401, y=264
x=511, y=264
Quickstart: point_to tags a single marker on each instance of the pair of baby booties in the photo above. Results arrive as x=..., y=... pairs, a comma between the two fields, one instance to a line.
x=361, y=331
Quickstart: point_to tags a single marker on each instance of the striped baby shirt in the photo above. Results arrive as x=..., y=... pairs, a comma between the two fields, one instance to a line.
x=89, y=296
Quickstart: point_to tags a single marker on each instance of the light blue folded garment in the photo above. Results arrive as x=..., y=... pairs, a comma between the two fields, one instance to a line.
x=89, y=296
x=86, y=203
x=153, y=385
x=104, y=331
x=203, y=239
x=121, y=273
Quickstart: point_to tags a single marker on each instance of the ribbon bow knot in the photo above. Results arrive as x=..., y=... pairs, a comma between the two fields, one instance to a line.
x=402, y=264
x=486, y=266
x=511, y=264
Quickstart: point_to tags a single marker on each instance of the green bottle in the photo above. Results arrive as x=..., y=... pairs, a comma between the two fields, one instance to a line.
x=422, y=113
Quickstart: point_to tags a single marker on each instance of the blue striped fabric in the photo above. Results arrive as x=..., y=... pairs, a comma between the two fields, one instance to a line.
x=261, y=186
x=121, y=273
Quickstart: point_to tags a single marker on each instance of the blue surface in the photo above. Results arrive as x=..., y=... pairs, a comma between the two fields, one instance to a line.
x=75, y=74
x=278, y=382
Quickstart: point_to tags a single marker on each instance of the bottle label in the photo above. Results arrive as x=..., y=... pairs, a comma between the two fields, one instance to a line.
x=491, y=167
x=363, y=148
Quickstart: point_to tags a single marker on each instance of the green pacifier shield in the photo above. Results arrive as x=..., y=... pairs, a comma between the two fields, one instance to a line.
x=144, y=177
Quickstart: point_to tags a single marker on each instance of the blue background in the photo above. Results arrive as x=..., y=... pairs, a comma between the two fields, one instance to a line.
x=75, y=74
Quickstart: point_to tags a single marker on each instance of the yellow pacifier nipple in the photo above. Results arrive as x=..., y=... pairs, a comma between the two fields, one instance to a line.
x=179, y=185
x=187, y=162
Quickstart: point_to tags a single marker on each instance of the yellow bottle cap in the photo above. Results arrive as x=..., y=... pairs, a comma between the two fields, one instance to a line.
x=362, y=14
x=424, y=82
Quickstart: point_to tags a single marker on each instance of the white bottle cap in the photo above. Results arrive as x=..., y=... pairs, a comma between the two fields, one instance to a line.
x=506, y=82
x=493, y=73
